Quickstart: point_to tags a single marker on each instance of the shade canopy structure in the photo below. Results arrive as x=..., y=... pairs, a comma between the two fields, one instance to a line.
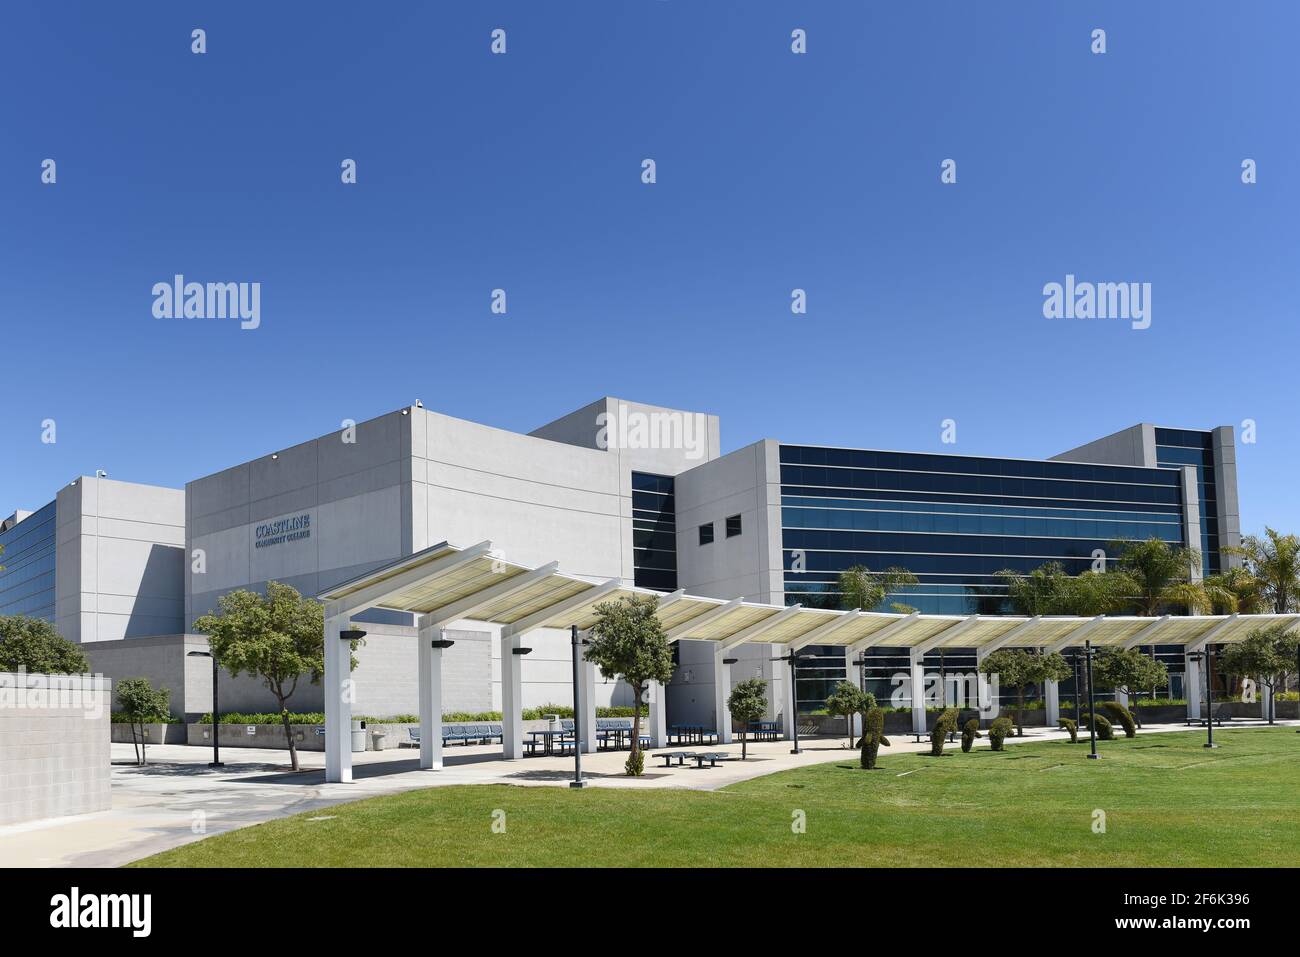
x=446, y=583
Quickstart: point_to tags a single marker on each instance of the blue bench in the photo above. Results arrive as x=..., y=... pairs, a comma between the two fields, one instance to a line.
x=469, y=733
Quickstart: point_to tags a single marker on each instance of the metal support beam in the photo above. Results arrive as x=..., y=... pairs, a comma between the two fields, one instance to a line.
x=465, y=607
x=430, y=697
x=553, y=616
x=1143, y=637
x=1073, y=637
x=1210, y=636
x=699, y=621
x=756, y=629
x=934, y=641
x=418, y=574
x=1006, y=638
x=884, y=634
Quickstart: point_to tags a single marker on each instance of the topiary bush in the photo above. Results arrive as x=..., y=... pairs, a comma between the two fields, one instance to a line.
x=944, y=725
x=1105, y=731
x=1122, y=716
x=873, y=736
x=1072, y=726
x=969, y=732
x=635, y=763
x=998, y=731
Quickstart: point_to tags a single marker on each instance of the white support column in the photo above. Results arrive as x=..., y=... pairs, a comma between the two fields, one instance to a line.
x=658, y=723
x=918, y=692
x=338, y=702
x=1121, y=698
x=430, y=679
x=721, y=691
x=791, y=709
x=1052, y=701
x=1265, y=694
x=1192, y=688
x=587, y=691
x=853, y=674
x=512, y=698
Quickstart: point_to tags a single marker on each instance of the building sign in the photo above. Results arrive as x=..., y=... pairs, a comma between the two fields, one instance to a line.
x=282, y=530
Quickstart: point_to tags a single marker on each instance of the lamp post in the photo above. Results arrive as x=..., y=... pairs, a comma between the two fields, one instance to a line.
x=1075, y=658
x=1199, y=656
x=216, y=747
x=578, y=722
x=1092, y=704
x=794, y=695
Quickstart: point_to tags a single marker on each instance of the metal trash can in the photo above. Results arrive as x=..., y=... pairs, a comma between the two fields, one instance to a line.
x=358, y=736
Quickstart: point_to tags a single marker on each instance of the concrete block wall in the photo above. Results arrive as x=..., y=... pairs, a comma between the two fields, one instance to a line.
x=54, y=748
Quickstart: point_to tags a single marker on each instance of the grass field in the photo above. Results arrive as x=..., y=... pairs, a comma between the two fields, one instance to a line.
x=1167, y=801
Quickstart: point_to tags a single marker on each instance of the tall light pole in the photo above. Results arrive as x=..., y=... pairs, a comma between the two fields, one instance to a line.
x=1199, y=656
x=216, y=748
x=1092, y=703
x=1075, y=658
x=794, y=659
x=578, y=720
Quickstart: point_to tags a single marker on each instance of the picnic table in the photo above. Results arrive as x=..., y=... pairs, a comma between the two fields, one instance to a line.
x=547, y=741
x=713, y=757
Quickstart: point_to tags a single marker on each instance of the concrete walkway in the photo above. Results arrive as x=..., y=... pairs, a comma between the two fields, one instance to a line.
x=178, y=799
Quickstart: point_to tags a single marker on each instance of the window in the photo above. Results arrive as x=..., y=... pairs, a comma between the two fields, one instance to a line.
x=706, y=534
x=733, y=526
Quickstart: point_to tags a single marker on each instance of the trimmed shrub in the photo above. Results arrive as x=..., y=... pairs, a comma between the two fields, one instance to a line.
x=1072, y=726
x=873, y=736
x=635, y=763
x=944, y=725
x=998, y=732
x=1122, y=716
x=969, y=733
x=1105, y=731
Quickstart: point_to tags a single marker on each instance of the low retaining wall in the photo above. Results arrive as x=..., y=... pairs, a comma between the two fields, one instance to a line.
x=54, y=746
x=305, y=736
x=154, y=733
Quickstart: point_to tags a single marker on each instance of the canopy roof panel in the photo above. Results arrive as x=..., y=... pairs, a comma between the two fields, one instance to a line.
x=444, y=582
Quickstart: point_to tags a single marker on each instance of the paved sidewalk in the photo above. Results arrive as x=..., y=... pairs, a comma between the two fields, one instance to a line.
x=178, y=798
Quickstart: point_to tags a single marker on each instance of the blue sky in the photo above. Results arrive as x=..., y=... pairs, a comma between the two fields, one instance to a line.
x=522, y=172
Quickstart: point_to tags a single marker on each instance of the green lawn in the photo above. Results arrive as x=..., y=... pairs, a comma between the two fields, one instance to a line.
x=1168, y=801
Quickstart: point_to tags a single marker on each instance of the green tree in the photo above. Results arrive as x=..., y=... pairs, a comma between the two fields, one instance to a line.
x=747, y=704
x=1128, y=671
x=1266, y=654
x=1249, y=594
x=1020, y=669
x=848, y=699
x=1042, y=592
x=278, y=637
x=32, y=644
x=142, y=703
x=859, y=587
x=1275, y=561
x=628, y=643
x=1164, y=574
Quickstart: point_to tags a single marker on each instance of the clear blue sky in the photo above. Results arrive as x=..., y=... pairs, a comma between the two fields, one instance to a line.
x=522, y=171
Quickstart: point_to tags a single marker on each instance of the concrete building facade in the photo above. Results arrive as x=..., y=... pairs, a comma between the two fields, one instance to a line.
x=613, y=491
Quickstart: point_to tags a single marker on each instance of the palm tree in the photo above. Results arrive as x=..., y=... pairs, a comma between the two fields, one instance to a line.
x=1163, y=574
x=1275, y=561
x=859, y=587
x=1250, y=593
